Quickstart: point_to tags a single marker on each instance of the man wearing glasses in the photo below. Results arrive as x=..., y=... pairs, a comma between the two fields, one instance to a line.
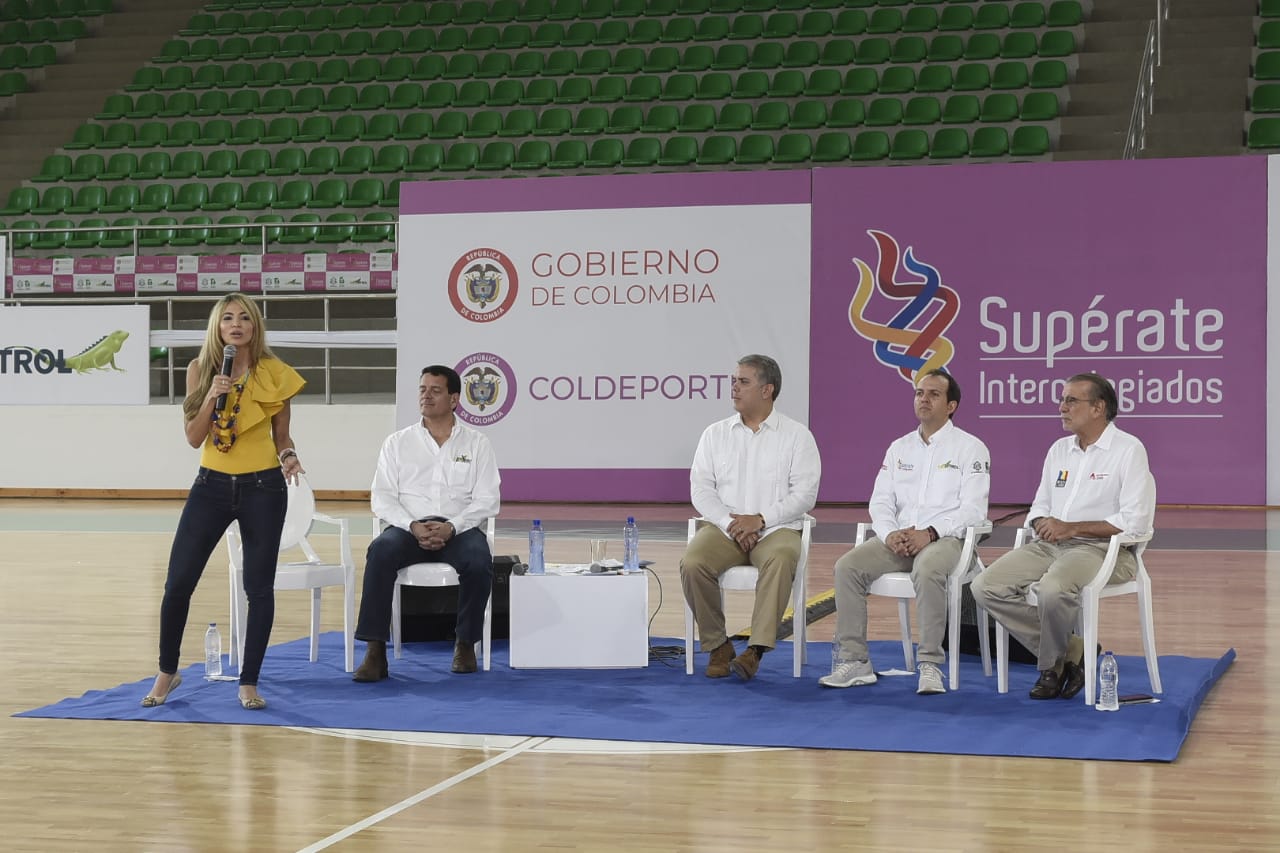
x=1095, y=484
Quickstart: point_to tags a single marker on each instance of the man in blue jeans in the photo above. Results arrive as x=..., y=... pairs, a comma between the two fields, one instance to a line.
x=435, y=486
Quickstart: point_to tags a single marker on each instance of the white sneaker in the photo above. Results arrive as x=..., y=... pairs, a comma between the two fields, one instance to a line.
x=930, y=679
x=856, y=673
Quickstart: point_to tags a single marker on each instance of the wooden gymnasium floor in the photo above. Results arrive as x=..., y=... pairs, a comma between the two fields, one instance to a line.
x=80, y=585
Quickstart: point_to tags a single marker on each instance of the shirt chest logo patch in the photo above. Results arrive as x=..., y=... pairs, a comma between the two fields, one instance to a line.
x=905, y=466
x=1061, y=482
x=462, y=457
x=948, y=465
x=1099, y=475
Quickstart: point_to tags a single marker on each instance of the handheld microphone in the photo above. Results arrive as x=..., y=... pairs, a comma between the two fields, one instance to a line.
x=228, y=356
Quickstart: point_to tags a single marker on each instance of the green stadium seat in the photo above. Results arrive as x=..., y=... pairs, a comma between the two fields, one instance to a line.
x=381, y=127
x=146, y=105
x=1057, y=43
x=766, y=54
x=860, y=81
x=712, y=28
x=801, y=54
x=339, y=98
x=594, y=62
x=174, y=78
x=268, y=229
x=808, y=115
x=991, y=16
x=972, y=77
x=54, y=168
x=155, y=197
x=355, y=160
x=612, y=33
x=575, y=90
x=89, y=199
x=365, y=192
x=920, y=19
x=569, y=154
x=301, y=72
x=1039, y=106
x=252, y=163
x=482, y=39
x=565, y=10
x=87, y=167
x=772, y=115
x=832, y=147
x=484, y=124
x=390, y=159
x=755, y=149
x=660, y=119
x=315, y=128
x=556, y=121
x=793, y=148
x=644, y=87
x=945, y=48
x=781, y=25
x=1049, y=74
x=961, y=109
x=1265, y=98
x=88, y=235
x=955, y=18
x=750, y=85
x=678, y=151
x=1029, y=140
x=826, y=82
x=989, y=142
x=911, y=144
x=787, y=84
x=731, y=57
x=872, y=51
x=174, y=50
x=539, y=92
x=234, y=230
x=717, y=151
x=387, y=43
x=922, y=109
x=949, y=143
x=642, y=153
x=897, y=80
x=302, y=228
x=1010, y=74
x=625, y=120
x=1018, y=45
x=54, y=201
x=214, y=132
x=115, y=106
x=120, y=235
x=679, y=87
x=746, y=28
x=1267, y=66
x=55, y=236
x=934, y=78
x=320, y=161
x=816, y=23
x=734, y=117
x=247, y=131
x=590, y=121
x=425, y=157
x=330, y=72
x=450, y=124
x=982, y=46
x=211, y=103
x=189, y=197
x=294, y=194
x=850, y=22
x=909, y=49
x=151, y=166
x=224, y=196
x=884, y=112
x=532, y=154
x=884, y=20
x=1026, y=15
x=119, y=167
x=644, y=32
x=999, y=106
x=328, y=194
x=1264, y=134
x=259, y=195
x=627, y=60
x=697, y=118
x=86, y=136
x=436, y=95
x=661, y=60
x=1066, y=13
x=185, y=165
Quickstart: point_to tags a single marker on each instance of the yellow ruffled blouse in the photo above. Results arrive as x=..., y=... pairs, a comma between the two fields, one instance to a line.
x=268, y=386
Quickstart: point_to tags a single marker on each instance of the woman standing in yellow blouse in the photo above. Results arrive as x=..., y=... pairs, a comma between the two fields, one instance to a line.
x=247, y=456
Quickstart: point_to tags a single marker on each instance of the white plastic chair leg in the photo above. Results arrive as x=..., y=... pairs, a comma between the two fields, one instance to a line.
x=315, y=624
x=904, y=624
x=984, y=642
x=395, y=621
x=688, y=639
x=1146, y=617
x=1002, y=658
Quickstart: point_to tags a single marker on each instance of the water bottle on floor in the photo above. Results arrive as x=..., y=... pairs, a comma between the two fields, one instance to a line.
x=537, y=544
x=212, y=652
x=631, y=546
x=1108, y=684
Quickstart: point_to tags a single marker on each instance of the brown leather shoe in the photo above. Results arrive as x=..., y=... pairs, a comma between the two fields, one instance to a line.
x=1048, y=686
x=464, y=657
x=1072, y=680
x=747, y=664
x=718, y=666
x=374, y=665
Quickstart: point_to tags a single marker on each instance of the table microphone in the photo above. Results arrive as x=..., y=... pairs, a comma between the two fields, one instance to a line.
x=228, y=356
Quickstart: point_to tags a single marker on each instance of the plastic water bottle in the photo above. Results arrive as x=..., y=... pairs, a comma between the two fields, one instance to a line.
x=1108, y=684
x=537, y=545
x=630, y=546
x=212, y=652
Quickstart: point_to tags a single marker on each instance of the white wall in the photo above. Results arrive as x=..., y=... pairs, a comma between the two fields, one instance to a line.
x=143, y=447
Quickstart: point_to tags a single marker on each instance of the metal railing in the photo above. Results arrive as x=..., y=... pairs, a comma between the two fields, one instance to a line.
x=1144, y=97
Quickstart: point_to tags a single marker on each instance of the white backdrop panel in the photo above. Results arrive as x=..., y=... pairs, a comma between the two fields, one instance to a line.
x=85, y=355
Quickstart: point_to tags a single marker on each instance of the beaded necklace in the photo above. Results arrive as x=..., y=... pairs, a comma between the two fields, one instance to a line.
x=224, y=428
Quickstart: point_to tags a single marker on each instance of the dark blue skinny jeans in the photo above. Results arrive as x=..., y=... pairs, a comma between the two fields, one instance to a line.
x=258, y=502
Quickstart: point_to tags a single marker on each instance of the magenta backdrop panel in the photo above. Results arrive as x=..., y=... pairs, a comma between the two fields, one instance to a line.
x=1014, y=277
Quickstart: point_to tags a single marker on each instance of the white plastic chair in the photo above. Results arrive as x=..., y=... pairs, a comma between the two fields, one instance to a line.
x=312, y=573
x=744, y=578
x=1087, y=625
x=438, y=575
x=898, y=585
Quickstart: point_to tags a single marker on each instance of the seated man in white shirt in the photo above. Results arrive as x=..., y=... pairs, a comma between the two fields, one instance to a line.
x=1095, y=484
x=435, y=486
x=932, y=485
x=754, y=477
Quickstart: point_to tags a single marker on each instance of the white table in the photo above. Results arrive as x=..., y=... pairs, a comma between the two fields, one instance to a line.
x=579, y=621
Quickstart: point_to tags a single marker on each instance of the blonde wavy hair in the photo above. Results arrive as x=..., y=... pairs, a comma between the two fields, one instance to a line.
x=209, y=362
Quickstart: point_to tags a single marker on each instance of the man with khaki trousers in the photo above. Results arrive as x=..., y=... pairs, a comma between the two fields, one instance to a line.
x=754, y=476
